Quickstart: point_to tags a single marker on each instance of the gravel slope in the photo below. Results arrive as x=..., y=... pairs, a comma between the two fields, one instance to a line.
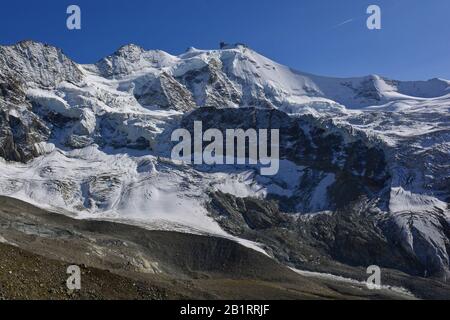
x=126, y=262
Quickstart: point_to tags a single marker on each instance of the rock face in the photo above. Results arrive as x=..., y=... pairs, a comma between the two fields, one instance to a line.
x=28, y=64
x=20, y=136
x=355, y=231
x=363, y=177
x=213, y=87
x=37, y=63
x=165, y=92
x=348, y=170
x=20, y=129
x=318, y=242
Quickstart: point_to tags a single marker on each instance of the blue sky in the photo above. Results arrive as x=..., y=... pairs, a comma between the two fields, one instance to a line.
x=414, y=42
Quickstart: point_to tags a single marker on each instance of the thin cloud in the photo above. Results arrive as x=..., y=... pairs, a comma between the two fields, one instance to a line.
x=342, y=23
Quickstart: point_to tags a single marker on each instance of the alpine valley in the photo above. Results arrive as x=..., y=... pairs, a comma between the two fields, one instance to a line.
x=86, y=178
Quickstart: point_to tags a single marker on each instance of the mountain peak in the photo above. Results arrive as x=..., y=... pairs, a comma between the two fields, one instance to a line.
x=32, y=45
x=38, y=63
x=237, y=45
x=130, y=49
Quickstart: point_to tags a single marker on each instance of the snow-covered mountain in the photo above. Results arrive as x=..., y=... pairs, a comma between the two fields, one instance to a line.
x=364, y=174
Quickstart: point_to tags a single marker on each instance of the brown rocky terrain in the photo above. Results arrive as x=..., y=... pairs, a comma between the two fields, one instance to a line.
x=120, y=261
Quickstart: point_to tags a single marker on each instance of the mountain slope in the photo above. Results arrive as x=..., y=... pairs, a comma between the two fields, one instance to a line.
x=127, y=262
